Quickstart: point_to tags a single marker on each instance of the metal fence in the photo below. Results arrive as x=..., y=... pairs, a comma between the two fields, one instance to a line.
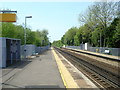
x=112, y=51
x=32, y=50
x=11, y=51
x=41, y=49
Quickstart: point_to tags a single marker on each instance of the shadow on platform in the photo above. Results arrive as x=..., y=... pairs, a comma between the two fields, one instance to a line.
x=19, y=64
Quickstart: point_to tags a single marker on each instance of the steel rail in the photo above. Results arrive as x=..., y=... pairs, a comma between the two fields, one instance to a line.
x=104, y=77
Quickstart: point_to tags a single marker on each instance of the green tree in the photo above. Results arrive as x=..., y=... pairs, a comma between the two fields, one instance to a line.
x=100, y=15
x=111, y=33
x=78, y=37
x=30, y=36
x=69, y=36
x=117, y=35
x=8, y=30
x=95, y=37
x=11, y=30
x=44, y=37
x=57, y=43
x=19, y=34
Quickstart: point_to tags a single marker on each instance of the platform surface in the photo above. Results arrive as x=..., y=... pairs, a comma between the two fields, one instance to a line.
x=99, y=54
x=41, y=72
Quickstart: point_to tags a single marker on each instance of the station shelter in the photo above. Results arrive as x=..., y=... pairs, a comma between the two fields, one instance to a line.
x=9, y=51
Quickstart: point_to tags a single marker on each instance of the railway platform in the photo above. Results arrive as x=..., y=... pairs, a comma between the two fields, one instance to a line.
x=45, y=71
x=98, y=54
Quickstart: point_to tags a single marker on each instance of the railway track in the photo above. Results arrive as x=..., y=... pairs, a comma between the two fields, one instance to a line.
x=102, y=74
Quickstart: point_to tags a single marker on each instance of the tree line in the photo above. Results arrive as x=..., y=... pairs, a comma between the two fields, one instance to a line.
x=10, y=30
x=100, y=26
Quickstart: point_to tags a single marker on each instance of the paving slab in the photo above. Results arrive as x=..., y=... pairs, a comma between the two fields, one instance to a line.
x=40, y=73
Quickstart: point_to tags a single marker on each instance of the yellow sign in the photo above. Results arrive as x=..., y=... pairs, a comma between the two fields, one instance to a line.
x=7, y=17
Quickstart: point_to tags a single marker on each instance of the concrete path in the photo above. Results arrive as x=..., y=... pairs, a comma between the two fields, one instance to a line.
x=40, y=73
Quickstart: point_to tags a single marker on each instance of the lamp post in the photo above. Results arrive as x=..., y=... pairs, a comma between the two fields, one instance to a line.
x=25, y=35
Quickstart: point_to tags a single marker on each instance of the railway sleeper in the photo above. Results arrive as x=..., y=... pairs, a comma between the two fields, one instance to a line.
x=73, y=56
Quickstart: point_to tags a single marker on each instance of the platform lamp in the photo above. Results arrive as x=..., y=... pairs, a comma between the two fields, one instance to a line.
x=25, y=35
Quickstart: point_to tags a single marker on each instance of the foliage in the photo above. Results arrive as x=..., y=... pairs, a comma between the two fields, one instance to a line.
x=100, y=27
x=100, y=15
x=68, y=38
x=57, y=43
x=95, y=37
x=10, y=30
x=112, y=33
x=116, y=35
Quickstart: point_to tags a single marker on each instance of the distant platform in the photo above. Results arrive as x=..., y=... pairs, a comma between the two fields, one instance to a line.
x=99, y=54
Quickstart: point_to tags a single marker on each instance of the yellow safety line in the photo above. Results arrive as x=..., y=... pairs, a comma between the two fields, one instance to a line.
x=66, y=76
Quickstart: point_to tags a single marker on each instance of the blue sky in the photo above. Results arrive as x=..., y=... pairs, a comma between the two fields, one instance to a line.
x=56, y=17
